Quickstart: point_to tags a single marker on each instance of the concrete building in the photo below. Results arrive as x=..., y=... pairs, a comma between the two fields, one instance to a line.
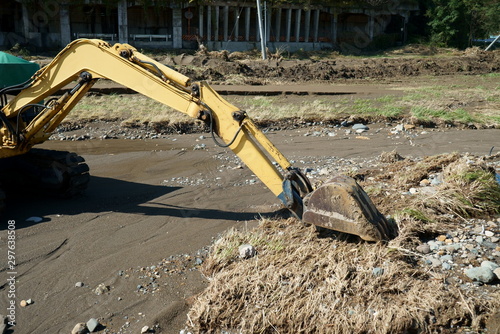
x=229, y=25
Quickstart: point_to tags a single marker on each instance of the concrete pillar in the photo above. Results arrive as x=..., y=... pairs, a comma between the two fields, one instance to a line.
x=278, y=24
x=307, y=31
x=257, y=24
x=298, y=14
x=334, y=28
x=268, y=23
x=226, y=22
x=316, y=25
x=64, y=24
x=122, y=22
x=288, y=24
x=247, y=23
x=177, y=28
x=209, y=23
x=237, y=24
x=200, y=23
x=217, y=21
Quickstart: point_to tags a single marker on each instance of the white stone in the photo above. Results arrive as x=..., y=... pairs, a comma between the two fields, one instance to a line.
x=247, y=251
x=79, y=328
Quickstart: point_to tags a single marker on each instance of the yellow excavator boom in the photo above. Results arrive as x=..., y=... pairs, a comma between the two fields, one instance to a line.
x=85, y=61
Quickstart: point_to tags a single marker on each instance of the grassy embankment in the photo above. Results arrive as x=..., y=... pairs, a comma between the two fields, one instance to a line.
x=463, y=100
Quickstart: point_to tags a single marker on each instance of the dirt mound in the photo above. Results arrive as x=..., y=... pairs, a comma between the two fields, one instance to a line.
x=472, y=61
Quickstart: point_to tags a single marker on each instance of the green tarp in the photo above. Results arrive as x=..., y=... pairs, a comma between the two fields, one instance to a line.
x=14, y=70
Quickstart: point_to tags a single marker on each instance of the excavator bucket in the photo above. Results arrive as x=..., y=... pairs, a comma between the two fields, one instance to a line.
x=342, y=205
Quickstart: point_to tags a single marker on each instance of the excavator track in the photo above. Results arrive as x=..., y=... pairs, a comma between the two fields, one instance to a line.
x=54, y=173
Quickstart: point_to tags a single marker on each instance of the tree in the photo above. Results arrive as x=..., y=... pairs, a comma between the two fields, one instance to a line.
x=456, y=22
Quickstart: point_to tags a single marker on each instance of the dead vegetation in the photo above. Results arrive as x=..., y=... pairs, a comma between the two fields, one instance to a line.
x=465, y=187
x=305, y=281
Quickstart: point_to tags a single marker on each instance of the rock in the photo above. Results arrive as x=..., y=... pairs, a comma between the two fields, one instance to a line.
x=490, y=265
x=497, y=273
x=400, y=127
x=433, y=245
x=480, y=274
x=29, y=301
x=489, y=233
x=425, y=183
x=377, y=271
x=424, y=248
x=247, y=251
x=101, y=289
x=79, y=284
x=409, y=126
x=436, y=179
x=433, y=261
x=446, y=266
x=23, y=303
x=441, y=238
x=92, y=324
x=447, y=258
x=79, y=328
x=360, y=126
x=145, y=329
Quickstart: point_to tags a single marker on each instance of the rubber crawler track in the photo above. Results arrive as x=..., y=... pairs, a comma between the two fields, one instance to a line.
x=55, y=173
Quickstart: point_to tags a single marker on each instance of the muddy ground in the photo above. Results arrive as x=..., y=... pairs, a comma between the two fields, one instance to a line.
x=162, y=202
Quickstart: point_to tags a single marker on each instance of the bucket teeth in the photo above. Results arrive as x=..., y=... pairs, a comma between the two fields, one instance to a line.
x=342, y=205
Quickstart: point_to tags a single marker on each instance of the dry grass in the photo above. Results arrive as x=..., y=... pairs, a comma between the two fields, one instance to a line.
x=303, y=281
x=130, y=109
x=300, y=282
x=469, y=189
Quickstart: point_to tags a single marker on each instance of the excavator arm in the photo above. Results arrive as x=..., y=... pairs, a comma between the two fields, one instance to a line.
x=86, y=61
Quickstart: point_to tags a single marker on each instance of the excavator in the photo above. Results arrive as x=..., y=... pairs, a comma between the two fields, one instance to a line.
x=30, y=116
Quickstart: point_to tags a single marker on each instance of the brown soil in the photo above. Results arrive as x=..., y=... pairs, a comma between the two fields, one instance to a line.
x=159, y=202
x=218, y=69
